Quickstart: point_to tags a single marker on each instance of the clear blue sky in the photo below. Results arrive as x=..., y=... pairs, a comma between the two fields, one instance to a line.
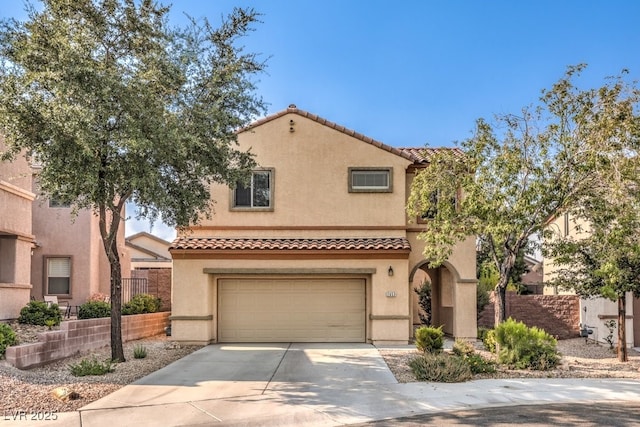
x=410, y=73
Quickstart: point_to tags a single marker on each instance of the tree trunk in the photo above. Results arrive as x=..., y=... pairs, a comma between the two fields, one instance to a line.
x=117, y=350
x=500, y=303
x=110, y=242
x=622, y=330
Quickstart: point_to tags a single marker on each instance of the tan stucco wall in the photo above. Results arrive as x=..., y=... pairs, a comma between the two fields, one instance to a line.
x=16, y=235
x=576, y=228
x=194, y=294
x=311, y=179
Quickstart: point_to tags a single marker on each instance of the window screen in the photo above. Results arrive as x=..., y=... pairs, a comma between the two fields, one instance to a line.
x=58, y=276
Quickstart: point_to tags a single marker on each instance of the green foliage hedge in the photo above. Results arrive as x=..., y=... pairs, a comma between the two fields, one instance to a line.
x=7, y=338
x=94, y=310
x=39, y=312
x=522, y=347
x=141, y=304
x=429, y=339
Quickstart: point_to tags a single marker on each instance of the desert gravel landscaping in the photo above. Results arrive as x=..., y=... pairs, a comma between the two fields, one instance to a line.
x=31, y=389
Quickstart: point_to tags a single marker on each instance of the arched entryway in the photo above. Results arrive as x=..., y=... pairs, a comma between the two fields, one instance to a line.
x=447, y=294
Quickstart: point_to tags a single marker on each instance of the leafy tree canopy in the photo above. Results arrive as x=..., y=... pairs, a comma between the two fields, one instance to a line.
x=118, y=107
x=523, y=170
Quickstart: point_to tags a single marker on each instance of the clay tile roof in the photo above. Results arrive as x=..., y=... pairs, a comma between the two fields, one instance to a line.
x=416, y=155
x=424, y=155
x=373, y=244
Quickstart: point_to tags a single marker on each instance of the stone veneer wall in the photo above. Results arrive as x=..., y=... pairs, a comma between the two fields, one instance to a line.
x=559, y=315
x=76, y=336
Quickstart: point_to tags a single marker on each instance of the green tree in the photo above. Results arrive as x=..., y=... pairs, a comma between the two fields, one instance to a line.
x=516, y=176
x=119, y=107
x=602, y=258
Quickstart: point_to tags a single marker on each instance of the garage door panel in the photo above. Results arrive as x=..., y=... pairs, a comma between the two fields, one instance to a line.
x=303, y=310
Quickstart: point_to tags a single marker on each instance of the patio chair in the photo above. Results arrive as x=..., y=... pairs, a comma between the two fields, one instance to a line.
x=62, y=305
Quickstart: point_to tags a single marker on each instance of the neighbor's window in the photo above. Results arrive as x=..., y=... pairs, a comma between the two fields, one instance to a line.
x=58, y=276
x=257, y=194
x=370, y=180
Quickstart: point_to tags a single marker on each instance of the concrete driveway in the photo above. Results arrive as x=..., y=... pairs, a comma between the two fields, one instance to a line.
x=315, y=385
x=264, y=383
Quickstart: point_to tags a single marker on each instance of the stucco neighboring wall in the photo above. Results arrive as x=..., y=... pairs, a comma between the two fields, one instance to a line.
x=60, y=233
x=16, y=235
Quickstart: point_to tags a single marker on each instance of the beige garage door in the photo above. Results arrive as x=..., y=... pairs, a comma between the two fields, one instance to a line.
x=291, y=310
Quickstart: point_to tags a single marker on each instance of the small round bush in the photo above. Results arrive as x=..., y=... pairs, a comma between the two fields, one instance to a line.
x=462, y=347
x=94, y=310
x=40, y=313
x=141, y=304
x=7, y=338
x=429, y=339
x=522, y=347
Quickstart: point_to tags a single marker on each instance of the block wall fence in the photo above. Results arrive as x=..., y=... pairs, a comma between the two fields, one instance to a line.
x=559, y=315
x=77, y=336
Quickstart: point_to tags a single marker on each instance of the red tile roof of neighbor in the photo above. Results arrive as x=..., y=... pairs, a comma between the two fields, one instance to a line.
x=369, y=243
x=416, y=154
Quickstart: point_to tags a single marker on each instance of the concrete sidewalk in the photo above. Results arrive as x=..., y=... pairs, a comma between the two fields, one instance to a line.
x=311, y=384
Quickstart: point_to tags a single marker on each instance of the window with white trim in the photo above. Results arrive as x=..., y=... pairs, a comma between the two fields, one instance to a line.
x=58, y=276
x=257, y=194
x=370, y=180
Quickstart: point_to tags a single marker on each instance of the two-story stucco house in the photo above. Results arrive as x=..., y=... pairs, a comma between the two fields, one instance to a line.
x=16, y=235
x=317, y=247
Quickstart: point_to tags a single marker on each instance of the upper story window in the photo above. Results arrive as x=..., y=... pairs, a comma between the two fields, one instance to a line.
x=370, y=180
x=257, y=194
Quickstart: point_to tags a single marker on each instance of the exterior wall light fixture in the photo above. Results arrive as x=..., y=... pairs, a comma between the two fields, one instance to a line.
x=390, y=271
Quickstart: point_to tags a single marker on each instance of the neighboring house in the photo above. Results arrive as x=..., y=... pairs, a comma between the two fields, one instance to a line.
x=151, y=260
x=69, y=260
x=16, y=235
x=316, y=247
x=594, y=312
x=533, y=279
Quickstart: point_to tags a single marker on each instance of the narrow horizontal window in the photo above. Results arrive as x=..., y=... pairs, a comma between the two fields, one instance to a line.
x=370, y=180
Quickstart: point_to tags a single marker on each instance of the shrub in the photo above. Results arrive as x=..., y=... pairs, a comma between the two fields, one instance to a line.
x=39, y=312
x=429, y=339
x=139, y=352
x=91, y=367
x=7, y=338
x=525, y=348
x=94, y=310
x=441, y=367
x=424, y=301
x=141, y=303
x=479, y=365
x=489, y=340
x=467, y=352
x=463, y=348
